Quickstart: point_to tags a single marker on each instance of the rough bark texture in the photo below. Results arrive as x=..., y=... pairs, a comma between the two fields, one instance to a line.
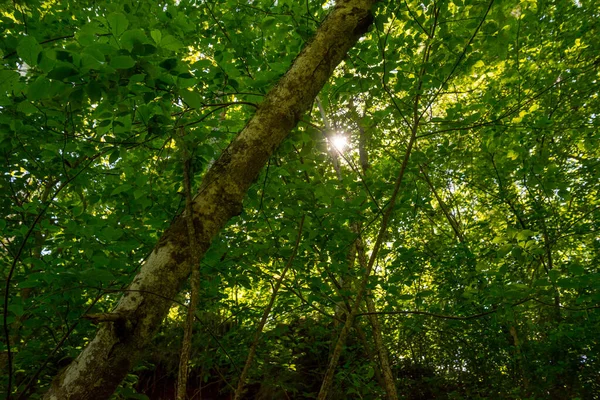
x=102, y=365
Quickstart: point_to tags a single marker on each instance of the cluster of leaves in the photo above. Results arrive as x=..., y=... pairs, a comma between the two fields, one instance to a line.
x=488, y=283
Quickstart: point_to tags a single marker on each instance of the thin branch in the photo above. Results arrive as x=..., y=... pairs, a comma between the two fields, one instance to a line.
x=194, y=249
x=474, y=316
x=414, y=17
x=451, y=220
x=461, y=57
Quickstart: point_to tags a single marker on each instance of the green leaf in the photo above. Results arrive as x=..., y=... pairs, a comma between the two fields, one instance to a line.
x=30, y=282
x=148, y=49
x=156, y=36
x=169, y=64
x=77, y=211
x=29, y=50
x=137, y=193
x=94, y=91
x=48, y=60
x=65, y=56
x=504, y=250
x=90, y=62
x=16, y=309
x=118, y=23
x=268, y=22
x=96, y=52
x=525, y=234
x=111, y=233
x=96, y=275
x=122, y=62
x=133, y=37
x=120, y=189
x=27, y=108
x=76, y=97
x=576, y=269
x=39, y=89
x=191, y=98
x=85, y=38
x=114, y=156
x=568, y=283
x=170, y=42
x=8, y=79
x=62, y=73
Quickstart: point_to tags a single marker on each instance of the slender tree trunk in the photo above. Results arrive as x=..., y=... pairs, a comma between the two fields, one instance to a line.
x=103, y=364
x=186, y=345
x=369, y=353
x=384, y=361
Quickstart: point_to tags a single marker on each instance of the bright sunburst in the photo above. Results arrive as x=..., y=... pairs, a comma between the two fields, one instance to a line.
x=339, y=142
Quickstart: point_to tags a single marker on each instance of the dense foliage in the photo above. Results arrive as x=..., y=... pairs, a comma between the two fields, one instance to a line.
x=488, y=283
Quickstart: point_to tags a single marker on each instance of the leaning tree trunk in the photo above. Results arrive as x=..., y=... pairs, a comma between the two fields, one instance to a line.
x=103, y=364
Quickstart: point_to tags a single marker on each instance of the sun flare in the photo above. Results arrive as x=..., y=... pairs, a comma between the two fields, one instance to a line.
x=339, y=142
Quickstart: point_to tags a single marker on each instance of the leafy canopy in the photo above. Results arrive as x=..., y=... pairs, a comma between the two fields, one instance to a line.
x=488, y=282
